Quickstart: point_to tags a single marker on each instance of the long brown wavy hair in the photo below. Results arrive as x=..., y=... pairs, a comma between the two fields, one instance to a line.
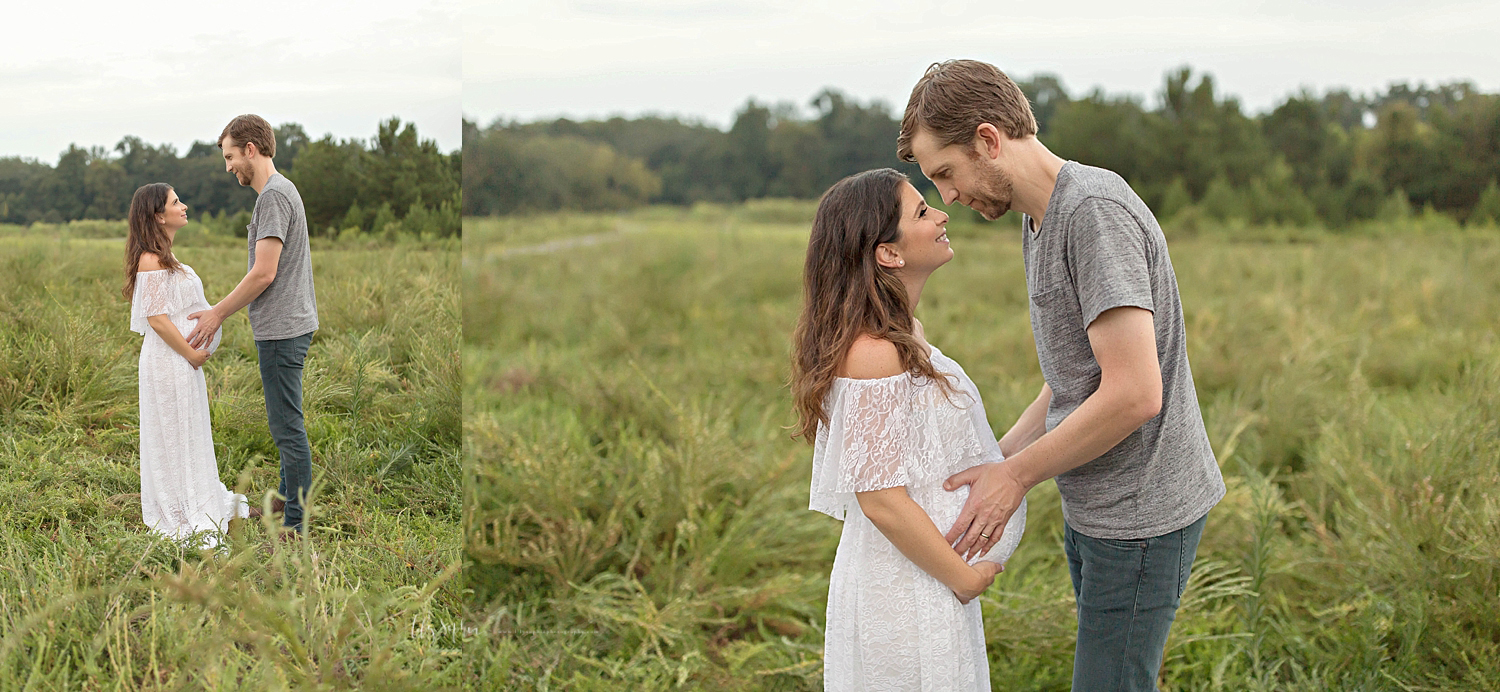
x=146, y=235
x=847, y=294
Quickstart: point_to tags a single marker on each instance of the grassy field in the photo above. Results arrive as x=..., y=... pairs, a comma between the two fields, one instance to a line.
x=90, y=599
x=636, y=518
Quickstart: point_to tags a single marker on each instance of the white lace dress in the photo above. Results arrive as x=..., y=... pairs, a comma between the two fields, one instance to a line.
x=181, y=493
x=890, y=625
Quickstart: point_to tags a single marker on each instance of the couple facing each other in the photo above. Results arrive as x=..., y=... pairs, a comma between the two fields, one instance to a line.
x=181, y=494
x=932, y=504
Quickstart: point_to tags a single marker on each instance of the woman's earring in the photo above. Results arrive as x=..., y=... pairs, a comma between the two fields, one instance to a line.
x=900, y=263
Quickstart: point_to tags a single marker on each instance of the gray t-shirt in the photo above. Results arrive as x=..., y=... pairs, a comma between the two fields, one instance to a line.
x=1099, y=247
x=287, y=308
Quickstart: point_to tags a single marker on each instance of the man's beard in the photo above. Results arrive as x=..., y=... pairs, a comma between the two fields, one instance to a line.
x=242, y=176
x=993, y=197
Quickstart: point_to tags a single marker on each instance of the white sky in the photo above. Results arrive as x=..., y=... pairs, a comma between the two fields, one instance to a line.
x=90, y=73
x=530, y=59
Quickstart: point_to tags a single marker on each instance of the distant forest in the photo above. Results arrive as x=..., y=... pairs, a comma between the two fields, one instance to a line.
x=1335, y=159
x=396, y=181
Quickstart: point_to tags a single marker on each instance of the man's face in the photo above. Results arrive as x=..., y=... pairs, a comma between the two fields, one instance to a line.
x=236, y=161
x=964, y=173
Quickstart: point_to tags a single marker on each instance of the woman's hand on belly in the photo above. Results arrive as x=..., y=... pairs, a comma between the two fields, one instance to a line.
x=910, y=529
x=168, y=331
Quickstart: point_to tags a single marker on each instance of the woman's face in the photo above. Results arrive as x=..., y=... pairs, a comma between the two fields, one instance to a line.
x=174, y=216
x=923, y=246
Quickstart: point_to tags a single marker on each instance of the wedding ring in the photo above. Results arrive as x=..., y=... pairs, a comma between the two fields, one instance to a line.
x=984, y=535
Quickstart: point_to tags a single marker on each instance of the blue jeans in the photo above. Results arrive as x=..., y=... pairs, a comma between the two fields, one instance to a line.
x=281, y=378
x=1127, y=593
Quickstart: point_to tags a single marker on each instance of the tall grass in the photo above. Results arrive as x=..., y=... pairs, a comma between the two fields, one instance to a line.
x=91, y=599
x=635, y=514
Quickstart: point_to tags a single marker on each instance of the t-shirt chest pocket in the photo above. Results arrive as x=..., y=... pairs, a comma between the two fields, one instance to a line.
x=1055, y=304
x=1054, y=317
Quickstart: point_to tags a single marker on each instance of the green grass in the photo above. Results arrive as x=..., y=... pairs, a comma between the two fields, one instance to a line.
x=635, y=515
x=91, y=599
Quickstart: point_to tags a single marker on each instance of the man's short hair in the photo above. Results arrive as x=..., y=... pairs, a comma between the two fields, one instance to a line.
x=250, y=129
x=954, y=97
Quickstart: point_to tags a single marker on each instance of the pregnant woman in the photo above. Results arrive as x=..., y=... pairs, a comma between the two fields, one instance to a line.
x=891, y=418
x=181, y=494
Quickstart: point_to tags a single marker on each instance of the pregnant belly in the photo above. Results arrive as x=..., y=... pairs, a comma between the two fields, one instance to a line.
x=185, y=326
x=943, y=505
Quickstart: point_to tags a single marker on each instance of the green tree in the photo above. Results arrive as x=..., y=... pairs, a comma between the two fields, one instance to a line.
x=18, y=176
x=747, y=153
x=1047, y=96
x=1404, y=153
x=509, y=171
x=799, y=146
x=1487, y=210
x=857, y=137
x=290, y=139
x=403, y=169
x=1313, y=158
x=1201, y=136
x=330, y=176
x=1105, y=132
x=1298, y=131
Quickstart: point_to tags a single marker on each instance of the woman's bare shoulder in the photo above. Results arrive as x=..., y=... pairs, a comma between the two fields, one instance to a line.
x=148, y=262
x=871, y=358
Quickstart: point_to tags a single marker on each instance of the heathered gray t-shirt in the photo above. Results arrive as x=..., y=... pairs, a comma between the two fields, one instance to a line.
x=287, y=308
x=1099, y=247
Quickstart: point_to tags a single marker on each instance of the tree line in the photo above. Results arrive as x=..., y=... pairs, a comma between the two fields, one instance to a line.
x=1333, y=159
x=396, y=181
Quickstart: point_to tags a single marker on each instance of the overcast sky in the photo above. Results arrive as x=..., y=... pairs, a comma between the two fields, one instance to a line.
x=704, y=58
x=92, y=73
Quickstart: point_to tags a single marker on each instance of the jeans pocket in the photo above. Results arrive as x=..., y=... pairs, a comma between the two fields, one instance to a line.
x=1117, y=557
x=1184, y=570
x=1123, y=543
x=293, y=352
x=1189, y=552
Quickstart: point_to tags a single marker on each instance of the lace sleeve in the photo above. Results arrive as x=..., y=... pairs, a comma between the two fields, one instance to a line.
x=154, y=295
x=866, y=443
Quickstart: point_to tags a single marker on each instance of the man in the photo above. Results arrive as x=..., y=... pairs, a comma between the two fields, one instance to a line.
x=1117, y=422
x=283, y=310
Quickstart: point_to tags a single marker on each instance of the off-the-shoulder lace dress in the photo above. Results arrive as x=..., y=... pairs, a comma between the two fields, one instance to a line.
x=181, y=493
x=890, y=625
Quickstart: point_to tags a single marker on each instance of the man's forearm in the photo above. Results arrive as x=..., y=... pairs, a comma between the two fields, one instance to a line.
x=1096, y=426
x=1029, y=427
x=248, y=290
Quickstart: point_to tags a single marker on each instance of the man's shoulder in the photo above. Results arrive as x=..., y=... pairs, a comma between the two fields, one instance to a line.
x=280, y=191
x=282, y=185
x=1091, y=182
x=1095, y=189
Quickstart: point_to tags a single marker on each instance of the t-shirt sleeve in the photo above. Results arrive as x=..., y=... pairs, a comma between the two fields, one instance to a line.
x=273, y=216
x=1107, y=257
